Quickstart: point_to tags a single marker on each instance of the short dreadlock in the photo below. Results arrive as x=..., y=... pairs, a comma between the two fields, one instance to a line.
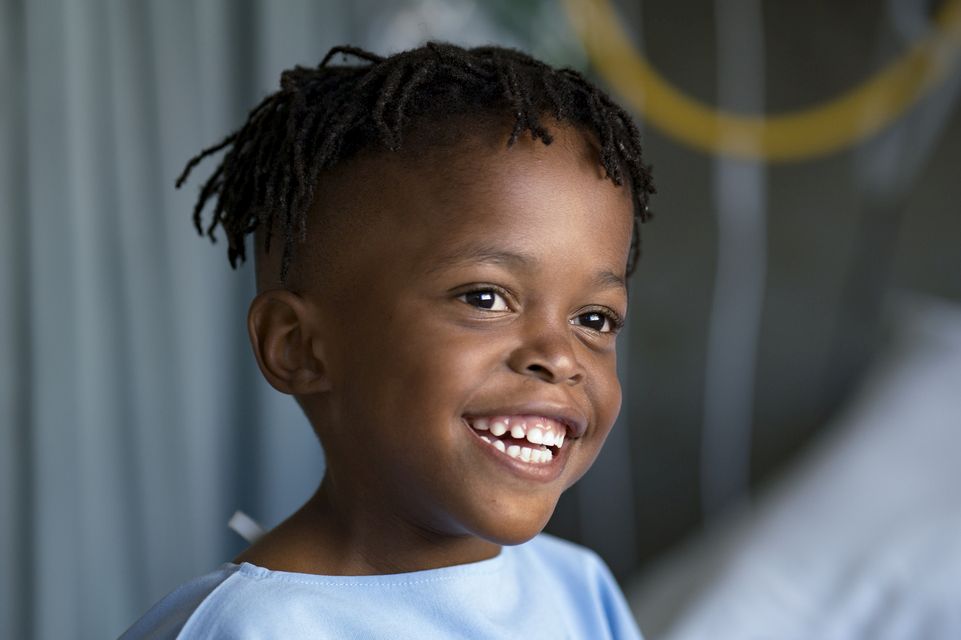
x=322, y=116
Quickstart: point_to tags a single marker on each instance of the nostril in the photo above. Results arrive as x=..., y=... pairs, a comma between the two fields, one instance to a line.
x=540, y=371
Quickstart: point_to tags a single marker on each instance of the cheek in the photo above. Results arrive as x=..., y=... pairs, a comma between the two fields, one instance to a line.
x=605, y=394
x=614, y=390
x=429, y=363
x=612, y=400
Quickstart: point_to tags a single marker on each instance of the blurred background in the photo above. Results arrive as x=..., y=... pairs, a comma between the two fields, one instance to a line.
x=790, y=369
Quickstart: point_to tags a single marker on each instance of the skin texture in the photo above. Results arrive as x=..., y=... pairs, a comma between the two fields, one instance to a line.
x=387, y=353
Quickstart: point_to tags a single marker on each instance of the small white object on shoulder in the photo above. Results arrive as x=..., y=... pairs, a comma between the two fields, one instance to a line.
x=246, y=527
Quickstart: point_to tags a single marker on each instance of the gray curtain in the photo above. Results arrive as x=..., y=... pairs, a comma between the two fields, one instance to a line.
x=132, y=418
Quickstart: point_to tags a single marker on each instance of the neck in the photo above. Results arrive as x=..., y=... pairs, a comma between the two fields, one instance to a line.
x=332, y=535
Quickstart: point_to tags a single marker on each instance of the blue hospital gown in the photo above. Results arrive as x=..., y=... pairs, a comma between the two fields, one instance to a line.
x=545, y=588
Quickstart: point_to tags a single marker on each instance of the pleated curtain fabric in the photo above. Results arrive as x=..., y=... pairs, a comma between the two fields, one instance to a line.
x=132, y=417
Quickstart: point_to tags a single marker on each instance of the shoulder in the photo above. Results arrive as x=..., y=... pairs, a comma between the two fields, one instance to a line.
x=580, y=578
x=241, y=601
x=236, y=601
x=167, y=618
x=564, y=557
x=247, y=601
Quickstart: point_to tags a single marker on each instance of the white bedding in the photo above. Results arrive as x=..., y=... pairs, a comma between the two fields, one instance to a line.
x=862, y=539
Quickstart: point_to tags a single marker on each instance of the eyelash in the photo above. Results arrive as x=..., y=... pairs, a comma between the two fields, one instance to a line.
x=497, y=291
x=613, y=319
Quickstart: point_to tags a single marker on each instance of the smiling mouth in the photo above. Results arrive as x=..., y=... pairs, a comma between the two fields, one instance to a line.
x=532, y=439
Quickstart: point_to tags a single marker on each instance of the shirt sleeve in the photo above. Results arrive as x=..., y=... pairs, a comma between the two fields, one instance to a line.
x=166, y=619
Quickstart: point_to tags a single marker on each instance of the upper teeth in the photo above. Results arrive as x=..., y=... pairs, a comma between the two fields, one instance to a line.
x=535, y=430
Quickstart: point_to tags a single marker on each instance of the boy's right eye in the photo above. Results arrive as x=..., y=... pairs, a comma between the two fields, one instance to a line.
x=487, y=299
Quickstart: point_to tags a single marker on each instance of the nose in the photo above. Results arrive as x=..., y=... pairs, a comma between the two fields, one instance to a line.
x=547, y=354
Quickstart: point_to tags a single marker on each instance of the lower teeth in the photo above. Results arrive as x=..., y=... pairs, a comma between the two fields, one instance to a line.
x=540, y=455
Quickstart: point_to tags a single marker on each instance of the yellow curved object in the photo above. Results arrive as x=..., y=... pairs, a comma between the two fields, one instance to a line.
x=796, y=135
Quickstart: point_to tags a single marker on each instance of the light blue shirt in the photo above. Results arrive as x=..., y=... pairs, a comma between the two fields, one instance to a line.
x=545, y=588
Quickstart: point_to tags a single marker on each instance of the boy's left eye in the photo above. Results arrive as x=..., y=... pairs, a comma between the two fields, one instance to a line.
x=489, y=299
x=486, y=299
x=596, y=320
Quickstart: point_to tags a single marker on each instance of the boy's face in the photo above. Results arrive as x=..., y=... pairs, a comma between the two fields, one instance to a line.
x=485, y=285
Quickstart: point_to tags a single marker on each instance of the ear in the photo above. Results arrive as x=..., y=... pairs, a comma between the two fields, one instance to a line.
x=286, y=343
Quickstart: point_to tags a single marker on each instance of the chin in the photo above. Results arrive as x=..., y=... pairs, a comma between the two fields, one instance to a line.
x=513, y=531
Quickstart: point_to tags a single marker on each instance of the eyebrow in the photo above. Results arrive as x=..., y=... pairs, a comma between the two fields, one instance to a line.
x=610, y=280
x=604, y=279
x=484, y=253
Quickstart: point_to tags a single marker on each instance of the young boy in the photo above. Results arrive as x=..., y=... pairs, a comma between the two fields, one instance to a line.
x=443, y=305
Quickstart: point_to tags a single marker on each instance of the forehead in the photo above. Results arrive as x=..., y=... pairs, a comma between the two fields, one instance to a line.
x=477, y=195
x=479, y=178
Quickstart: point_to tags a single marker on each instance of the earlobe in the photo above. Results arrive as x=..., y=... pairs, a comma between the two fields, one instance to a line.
x=282, y=334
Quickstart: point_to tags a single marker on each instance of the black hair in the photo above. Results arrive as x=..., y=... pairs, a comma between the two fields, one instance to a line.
x=323, y=115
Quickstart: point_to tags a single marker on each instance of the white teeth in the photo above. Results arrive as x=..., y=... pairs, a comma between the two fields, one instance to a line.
x=540, y=434
x=534, y=456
